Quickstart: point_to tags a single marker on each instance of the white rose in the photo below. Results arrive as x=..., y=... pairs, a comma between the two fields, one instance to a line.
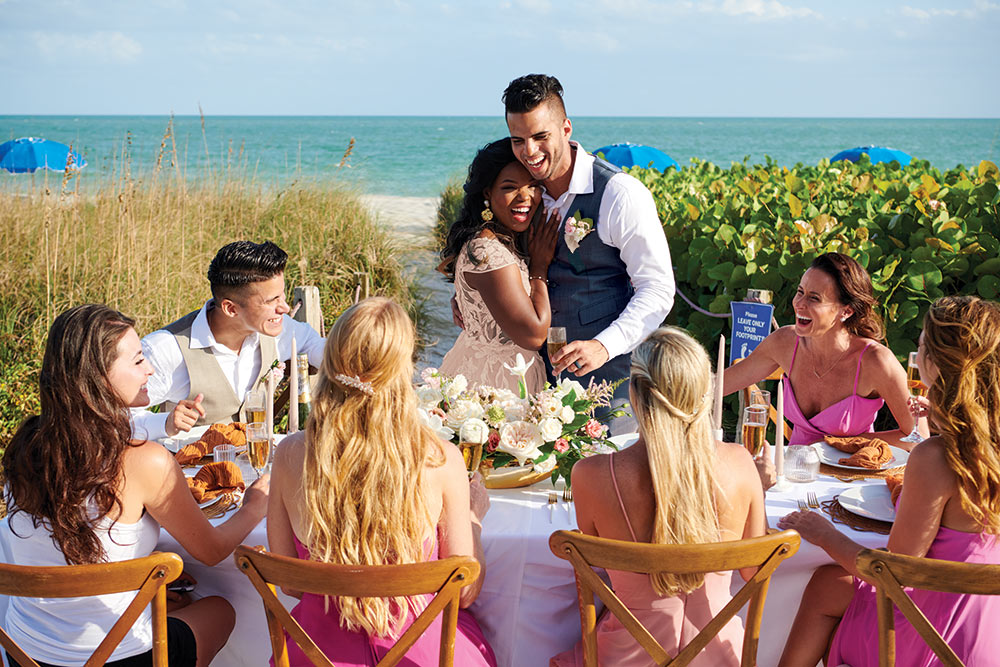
x=436, y=425
x=461, y=410
x=474, y=431
x=515, y=410
x=565, y=385
x=550, y=429
x=456, y=386
x=548, y=465
x=521, y=440
x=567, y=414
x=428, y=396
x=548, y=405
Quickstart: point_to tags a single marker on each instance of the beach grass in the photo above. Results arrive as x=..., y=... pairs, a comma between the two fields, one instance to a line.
x=142, y=243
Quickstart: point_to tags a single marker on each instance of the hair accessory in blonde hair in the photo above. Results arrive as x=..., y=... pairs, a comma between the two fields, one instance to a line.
x=355, y=383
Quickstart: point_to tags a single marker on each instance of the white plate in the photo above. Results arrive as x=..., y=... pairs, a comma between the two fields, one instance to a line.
x=831, y=456
x=624, y=440
x=870, y=500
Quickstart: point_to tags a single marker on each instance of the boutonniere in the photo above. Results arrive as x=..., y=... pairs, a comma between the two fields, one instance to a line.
x=577, y=229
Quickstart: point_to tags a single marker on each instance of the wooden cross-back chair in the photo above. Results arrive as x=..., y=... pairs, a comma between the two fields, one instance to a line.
x=445, y=578
x=891, y=572
x=149, y=576
x=746, y=398
x=585, y=552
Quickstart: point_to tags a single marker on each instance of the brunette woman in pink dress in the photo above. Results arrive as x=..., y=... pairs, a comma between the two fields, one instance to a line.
x=675, y=485
x=368, y=484
x=949, y=509
x=837, y=372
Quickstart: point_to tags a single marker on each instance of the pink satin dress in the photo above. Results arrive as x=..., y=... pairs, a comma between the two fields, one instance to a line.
x=359, y=649
x=849, y=416
x=673, y=621
x=970, y=624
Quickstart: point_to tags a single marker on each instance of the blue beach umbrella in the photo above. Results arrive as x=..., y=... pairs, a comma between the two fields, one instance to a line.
x=631, y=155
x=30, y=153
x=875, y=154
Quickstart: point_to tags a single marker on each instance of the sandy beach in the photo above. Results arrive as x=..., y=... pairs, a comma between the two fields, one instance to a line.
x=413, y=216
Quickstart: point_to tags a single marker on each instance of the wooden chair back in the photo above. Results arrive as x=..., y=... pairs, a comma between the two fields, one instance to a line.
x=149, y=576
x=891, y=572
x=586, y=552
x=747, y=396
x=445, y=578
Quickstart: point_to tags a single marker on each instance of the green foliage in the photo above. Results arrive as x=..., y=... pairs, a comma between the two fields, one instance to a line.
x=448, y=209
x=921, y=234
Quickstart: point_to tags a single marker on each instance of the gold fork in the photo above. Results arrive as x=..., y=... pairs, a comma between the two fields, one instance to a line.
x=553, y=499
x=802, y=505
x=812, y=500
x=567, y=495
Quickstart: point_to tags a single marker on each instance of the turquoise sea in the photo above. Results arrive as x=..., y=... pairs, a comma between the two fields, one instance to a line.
x=416, y=156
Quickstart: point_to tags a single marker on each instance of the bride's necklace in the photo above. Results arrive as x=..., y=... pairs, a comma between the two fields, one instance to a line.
x=833, y=365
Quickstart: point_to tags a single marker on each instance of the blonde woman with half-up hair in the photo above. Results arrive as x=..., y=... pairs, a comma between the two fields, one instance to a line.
x=949, y=509
x=367, y=483
x=675, y=485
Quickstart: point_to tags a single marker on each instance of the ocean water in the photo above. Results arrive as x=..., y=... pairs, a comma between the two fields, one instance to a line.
x=417, y=156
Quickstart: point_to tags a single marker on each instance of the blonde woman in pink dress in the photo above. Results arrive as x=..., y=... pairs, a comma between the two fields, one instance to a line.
x=498, y=253
x=675, y=485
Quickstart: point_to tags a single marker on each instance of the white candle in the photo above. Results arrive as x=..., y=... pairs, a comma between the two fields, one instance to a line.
x=293, y=391
x=269, y=405
x=779, y=433
x=720, y=369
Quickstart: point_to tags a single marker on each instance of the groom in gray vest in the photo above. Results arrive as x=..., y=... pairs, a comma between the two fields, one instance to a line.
x=611, y=282
x=205, y=362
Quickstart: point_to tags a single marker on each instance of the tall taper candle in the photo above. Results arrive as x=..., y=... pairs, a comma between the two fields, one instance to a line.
x=293, y=391
x=720, y=369
x=779, y=433
x=269, y=405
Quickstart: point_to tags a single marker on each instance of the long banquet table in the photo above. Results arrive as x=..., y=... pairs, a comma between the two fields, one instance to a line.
x=527, y=606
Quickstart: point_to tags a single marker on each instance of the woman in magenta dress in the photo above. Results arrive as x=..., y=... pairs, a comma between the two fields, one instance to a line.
x=675, y=485
x=949, y=509
x=367, y=484
x=837, y=373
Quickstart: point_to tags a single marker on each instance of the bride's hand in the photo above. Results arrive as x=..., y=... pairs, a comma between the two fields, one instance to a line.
x=542, y=237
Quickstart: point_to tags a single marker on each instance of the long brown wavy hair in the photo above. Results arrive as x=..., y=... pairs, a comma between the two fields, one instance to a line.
x=854, y=287
x=66, y=462
x=962, y=338
x=365, y=454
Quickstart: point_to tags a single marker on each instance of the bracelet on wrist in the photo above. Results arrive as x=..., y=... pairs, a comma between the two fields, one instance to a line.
x=542, y=278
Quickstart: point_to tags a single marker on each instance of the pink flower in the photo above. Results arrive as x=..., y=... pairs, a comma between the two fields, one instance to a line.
x=439, y=412
x=561, y=445
x=933, y=203
x=595, y=429
x=492, y=442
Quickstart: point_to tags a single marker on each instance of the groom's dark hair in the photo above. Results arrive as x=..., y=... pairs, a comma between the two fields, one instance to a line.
x=525, y=93
x=243, y=262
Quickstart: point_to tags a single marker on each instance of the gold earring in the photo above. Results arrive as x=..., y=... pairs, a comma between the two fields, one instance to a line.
x=487, y=214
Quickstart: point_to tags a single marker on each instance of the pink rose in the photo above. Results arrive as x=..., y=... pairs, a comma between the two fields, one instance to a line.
x=492, y=442
x=561, y=445
x=439, y=412
x=595, y=429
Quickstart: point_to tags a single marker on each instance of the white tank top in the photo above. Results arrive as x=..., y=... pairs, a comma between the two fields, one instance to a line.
x=65, y=631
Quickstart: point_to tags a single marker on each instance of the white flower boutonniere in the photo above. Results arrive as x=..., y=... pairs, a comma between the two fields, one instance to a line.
x=577, y=229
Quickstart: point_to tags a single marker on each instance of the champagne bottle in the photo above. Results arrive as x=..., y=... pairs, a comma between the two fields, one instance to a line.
x=305, y=389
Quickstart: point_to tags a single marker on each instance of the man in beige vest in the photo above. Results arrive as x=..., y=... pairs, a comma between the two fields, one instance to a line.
x=206, y=361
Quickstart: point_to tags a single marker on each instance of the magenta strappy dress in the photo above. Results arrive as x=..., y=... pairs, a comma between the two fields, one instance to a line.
x=673, y=621
x=358, y=649
x=849, y=416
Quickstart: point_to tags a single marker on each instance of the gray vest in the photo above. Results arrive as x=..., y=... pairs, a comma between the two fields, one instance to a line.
x=588, y=289
x=220, y=401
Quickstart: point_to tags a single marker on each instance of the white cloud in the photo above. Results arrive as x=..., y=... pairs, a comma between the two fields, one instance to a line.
x=101, y=45
x=764, y=10
x=978, y=8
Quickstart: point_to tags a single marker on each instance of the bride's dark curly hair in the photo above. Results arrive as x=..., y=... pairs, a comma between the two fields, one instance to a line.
x=62, y=467
x=483, y=171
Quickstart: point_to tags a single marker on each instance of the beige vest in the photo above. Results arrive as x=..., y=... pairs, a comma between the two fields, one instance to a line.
x=220, y=402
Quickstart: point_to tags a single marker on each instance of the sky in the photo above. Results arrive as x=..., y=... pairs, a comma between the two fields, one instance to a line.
x=745, y=58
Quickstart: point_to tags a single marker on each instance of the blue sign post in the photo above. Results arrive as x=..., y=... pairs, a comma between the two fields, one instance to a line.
x=751, y=325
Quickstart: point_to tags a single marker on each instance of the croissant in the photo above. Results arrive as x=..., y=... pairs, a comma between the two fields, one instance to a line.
x=895, y=484
x=874, y=456
x=851, y=444
x=217, y=434
x=215, y=479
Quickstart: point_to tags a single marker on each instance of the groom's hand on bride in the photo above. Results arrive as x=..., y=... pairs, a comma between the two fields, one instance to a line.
x=542, y=237
x=580, y=357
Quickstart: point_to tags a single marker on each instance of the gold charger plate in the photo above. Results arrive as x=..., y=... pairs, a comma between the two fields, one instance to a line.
x=514, y=478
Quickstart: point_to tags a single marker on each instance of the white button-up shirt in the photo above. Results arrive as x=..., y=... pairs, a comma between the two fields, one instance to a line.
x=628, y=222
x=170, y=382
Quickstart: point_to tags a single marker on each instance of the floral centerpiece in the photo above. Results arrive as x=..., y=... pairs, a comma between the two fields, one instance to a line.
x=547, y=432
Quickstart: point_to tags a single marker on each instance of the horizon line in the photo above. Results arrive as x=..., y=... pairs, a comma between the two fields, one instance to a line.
x=253, y=115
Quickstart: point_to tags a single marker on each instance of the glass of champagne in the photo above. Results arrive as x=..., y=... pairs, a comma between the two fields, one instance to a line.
x=258, y=446
x=917, y=388
x=556, y=341
x=754, y=428
x=760, y=397
x=471, y=437
x=254, y=406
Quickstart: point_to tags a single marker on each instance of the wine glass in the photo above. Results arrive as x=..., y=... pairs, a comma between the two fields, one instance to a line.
x=760, y=397
x=254, y=403
x=471, y=437
x=754, y=427
x=917, y=388
x=556, y=341
x=258, y=446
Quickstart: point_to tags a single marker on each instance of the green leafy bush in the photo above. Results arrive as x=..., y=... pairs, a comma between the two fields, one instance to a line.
x=448, y=209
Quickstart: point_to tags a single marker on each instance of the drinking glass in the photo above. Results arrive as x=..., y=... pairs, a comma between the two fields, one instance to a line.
x=801, y=463
x=258, y=446
x=254, y=405
x=760, y=397
x=224, y=453
x=754, y=427
x=556, y=341
x=917, y=388
x=471, y=437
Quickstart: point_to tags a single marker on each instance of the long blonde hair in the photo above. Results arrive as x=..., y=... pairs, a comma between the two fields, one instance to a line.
x=671, y=383
x=364, y=457
x=962, y=338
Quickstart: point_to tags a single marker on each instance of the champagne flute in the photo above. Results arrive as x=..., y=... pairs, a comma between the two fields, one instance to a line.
x=556, y=341
x=760, y=397
x=917, y=388
x=471, y=437
x=754, y=427
x=254, y=404
x=258, y=446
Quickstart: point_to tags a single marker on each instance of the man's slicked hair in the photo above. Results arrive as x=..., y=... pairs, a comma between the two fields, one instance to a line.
x=527, y=92
x=244, y=262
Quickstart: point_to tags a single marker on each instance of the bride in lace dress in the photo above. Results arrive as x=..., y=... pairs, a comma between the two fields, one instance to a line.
x=498, y=253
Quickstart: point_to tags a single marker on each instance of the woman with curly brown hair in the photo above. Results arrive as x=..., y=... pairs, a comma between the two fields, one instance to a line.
x=949, y=509
x=79, y=490
x=838, y=374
